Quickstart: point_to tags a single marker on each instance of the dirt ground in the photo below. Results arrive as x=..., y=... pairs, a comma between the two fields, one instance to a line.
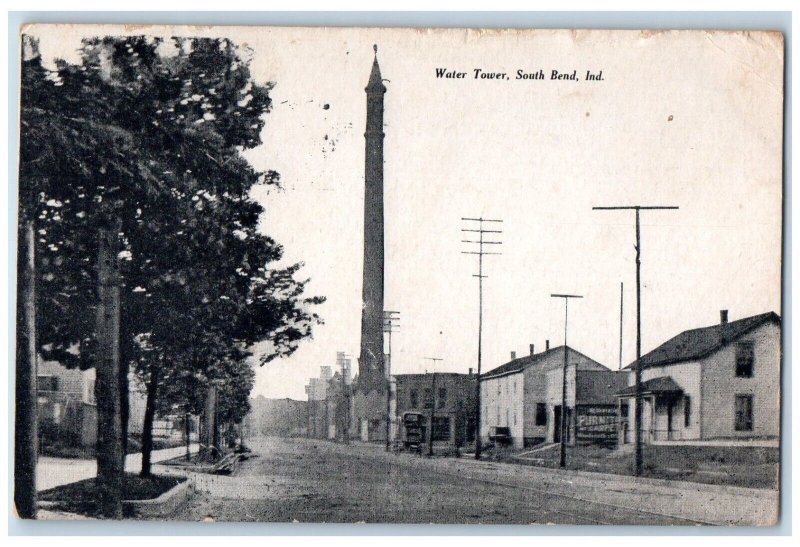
x=305, y=480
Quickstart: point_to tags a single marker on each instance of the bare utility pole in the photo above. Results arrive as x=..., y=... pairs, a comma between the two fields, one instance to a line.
x=344, y=363
x=562, y=452
x=25, y=424
x=107, y=393
x=481, y=253
x=433, y=402
x=621, y=293
x=638, y=368
x=391, y=323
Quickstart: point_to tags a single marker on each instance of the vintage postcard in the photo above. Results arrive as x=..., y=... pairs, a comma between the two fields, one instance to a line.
x=342, y=275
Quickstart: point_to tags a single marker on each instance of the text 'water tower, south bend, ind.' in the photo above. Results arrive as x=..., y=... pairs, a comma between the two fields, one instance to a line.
x=369, y=399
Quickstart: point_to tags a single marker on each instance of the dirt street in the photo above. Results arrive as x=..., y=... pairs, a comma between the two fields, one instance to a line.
x=310, y=480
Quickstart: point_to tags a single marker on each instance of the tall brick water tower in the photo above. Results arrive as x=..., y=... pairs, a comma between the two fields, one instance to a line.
x=369, y=410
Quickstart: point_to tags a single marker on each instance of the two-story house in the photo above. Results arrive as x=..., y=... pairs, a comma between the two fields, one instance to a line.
x=524, y=396
x=717, y=382
x=66, y=403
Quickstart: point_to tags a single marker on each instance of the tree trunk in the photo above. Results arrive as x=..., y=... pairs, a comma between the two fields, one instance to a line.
x=215, y=441
x=25, y=425
x=124, y=397
x=110, y=468
x=187, y=435
x=147, y=429
x=208, y=424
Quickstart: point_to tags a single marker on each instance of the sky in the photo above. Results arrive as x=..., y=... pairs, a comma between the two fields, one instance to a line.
x=690, y=119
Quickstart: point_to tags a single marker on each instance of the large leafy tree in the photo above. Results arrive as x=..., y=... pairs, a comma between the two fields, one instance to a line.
x=149, y=134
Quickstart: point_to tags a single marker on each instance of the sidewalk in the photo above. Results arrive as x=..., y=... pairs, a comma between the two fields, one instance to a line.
x=52, y=472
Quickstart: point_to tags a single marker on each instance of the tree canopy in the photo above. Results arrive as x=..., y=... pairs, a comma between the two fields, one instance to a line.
x=150, y=133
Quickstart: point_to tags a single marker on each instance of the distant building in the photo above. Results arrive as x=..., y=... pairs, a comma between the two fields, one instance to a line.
x=278, y=417
x=66, y=404
x=717, y=382
x=68, y=409
x=521, y=400
x=317, y=391
x=170, y=426
x=448, y=397
x=339, y=405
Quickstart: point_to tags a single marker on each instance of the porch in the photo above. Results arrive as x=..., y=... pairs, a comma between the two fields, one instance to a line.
x=662, y=400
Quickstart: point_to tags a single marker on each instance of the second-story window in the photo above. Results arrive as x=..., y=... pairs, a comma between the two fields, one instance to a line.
x=428, y=395
x=414, y=398
x=745, y=355
x=442, y=397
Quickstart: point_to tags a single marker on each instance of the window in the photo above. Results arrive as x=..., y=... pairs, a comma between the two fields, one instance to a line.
x=541, y=414
x=744, y=359
x=47, y=383
x=428, y=397
x=744, y=413
x=515, y=418
x=623, y=410
x=414, y=398
x=687, y=411
x=442, y=399
x=441, y=428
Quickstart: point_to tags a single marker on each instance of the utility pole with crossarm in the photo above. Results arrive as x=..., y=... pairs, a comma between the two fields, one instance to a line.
x=480, y=231
x=637, y=433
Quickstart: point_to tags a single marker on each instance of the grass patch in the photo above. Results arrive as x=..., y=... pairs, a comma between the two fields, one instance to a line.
x=81, y=497
x=751, y=467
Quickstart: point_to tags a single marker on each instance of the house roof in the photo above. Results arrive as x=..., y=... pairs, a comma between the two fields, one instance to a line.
x=537, y=359
x=698, y=343
x=662, y=384
x=516, y=365
x=429, y=374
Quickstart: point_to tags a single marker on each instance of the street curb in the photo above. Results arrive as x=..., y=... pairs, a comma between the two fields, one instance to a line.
x=167, y=502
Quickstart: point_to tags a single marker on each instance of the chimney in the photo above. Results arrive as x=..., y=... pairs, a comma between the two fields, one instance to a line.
x=513, y=355
x=471, y=371
x=531, y=350
x=723, y=317
x=547, y=345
